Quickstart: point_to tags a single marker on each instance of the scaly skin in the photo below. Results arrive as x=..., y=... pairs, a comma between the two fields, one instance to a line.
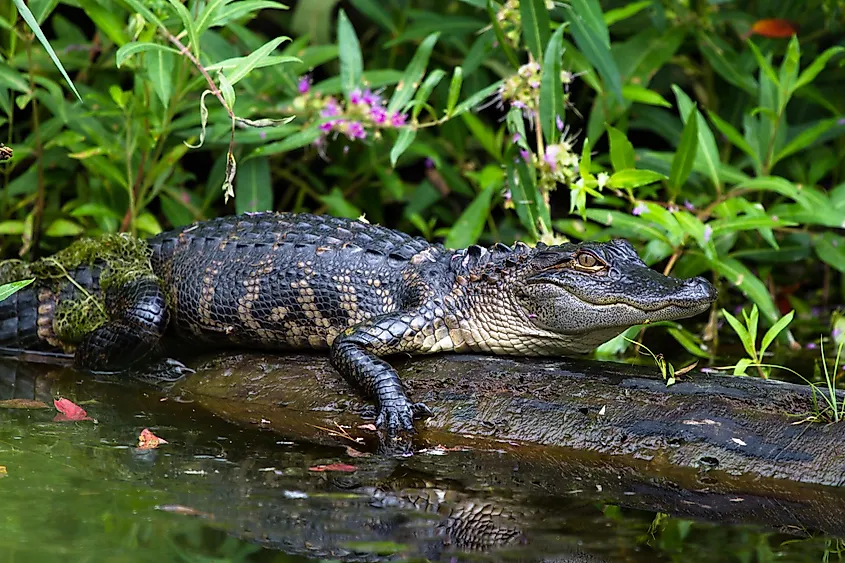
x=281, y=281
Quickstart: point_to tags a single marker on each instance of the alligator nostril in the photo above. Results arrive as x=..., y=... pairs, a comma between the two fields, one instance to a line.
x=705, y=286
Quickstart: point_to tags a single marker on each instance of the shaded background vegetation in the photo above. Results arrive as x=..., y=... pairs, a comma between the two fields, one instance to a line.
x=709, y=133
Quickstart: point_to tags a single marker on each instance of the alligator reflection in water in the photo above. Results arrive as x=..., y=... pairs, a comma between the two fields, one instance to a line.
x=537, y=504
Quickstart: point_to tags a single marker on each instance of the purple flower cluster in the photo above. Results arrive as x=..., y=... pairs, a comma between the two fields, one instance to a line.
x=364, y=112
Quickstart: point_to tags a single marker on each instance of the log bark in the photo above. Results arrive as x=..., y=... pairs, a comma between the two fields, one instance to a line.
x=712, y=447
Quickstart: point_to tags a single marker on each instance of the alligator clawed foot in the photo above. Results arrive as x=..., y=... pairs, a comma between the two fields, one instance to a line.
x=396, y=417
x=421, y=411
x=162, y=371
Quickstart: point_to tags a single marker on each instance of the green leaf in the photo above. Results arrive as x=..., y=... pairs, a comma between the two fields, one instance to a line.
x=254, y=58
x=688, y=342
x=744, y=337
x=809, y=74
x=735, y=137
x=413, y=74
x=9, y=289
x=724, y=60
x=590, y=33
x=190, y=28
x=64, y=228
x=504, y=45
x=634, y=226
x=775, y=329
x=750, y=285
x=745, y=223
x=33, y=25
x=338, y=206
x=830, y=248
x=160, y=65
x=684, y=158
x=377, y=12
x=708, y=152
x=634, y=178
x=477, y=98
x=227, y=90
x=238, y=10
x=777, y=185
x=454, y=90
x=135, y=47
x=109, y=22
x=524, y=194
x=698, y=231
x=406, y=137
x=351, y=61
x=12, y=79
x=621, y=150
x=535, y=27
x=485, y=136
x=469, y=226
x=638, y=94
x=293, y=142
x=806, y=138
x=551, y=90
x=789, y=72
x=254, y=186
x=625, y=12
x=763, y=63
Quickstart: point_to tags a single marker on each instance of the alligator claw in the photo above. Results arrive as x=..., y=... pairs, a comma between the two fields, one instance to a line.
x=421, y=410
x=396, y=417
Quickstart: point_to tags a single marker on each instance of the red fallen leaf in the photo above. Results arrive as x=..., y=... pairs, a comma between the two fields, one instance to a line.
x=774, y=28
x=184, y=510
x=148, y=441
x=352, y=452
x=3, y=472
x=343, y=467
x=22, y=404
x=371, y=427
x=69, y=411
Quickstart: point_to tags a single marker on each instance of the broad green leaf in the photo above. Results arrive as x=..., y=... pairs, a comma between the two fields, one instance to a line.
x=9, y=289
x=735, y=137
x=634, y=178
x=413, y=74
x=625, y=12
x=33, y=25
x=775, y=329
x=830, y=248
x=190, y=27
x=135, y=47
x=253, y=59
x=523, y=194
x=777, y=185
x=430, y=82
x=338, y=205
x=109, y=22
x=11, y=78
x=12, y=227
x=809, y=74
x=237, y=10
x=551, y=90
x=469, y=226
x=454, y=90
x=708, y=153
x=638, y=94
x=406, y=137
x=806, y=138
x=745, y=223
x=160, y=66
x=590, y=33
x=684, y=158
x=789, y=72
x=621, y=150
x=744, y=337
x=295, y=141
x=351, y=61
x=64, y=228
x=535, y=27
x=750, y=285
x=254, y=186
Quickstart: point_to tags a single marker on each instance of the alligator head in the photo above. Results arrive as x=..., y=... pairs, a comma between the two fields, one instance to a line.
x=574, y=297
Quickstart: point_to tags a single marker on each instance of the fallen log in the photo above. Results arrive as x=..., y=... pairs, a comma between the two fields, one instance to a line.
x=713, y=447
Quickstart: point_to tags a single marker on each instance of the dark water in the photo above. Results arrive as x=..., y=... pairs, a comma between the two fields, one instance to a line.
x=81, y=491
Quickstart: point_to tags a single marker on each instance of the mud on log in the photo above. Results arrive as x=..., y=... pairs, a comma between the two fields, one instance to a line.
x=711, y=447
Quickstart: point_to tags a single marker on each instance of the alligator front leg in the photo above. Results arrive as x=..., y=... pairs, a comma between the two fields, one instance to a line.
x=138, y=316
x=355, y=354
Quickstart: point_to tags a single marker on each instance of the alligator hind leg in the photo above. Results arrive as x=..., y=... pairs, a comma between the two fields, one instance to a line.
x=355, y=355
x=138, y=317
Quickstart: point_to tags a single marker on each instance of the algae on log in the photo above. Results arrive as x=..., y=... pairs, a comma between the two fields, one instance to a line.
x=712, y=447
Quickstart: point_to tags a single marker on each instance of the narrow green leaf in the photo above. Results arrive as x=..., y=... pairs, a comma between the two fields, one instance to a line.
x=208, y=13
x=702, y=235
x=293, y=142
x=254, y=186
x=454, y=90
x=253, y=59
x=11, y=78
x=33, y=25
x=830, y=248
x=746, y=223
x=413, y=74
x=621, y=150
x=708, y=153
x=551, y=90
x=750, y=285
x=237, y=10
x=109, y=22
x=406, y=137
x=125, y=52
x=593, y=40
x=145, y=12
x=190, y=27
x=625, y=12
x=484, y=135
x=9, y=289
x=227, y=90
x=763, y=63
x=535, y=26
x=777, y=185
x=477, y=98
x=338, y=205
x=523, y=191
x=688, y=342
x=630, y=225
x=806, y=138
x=428, y=85
x=789, y=72
x=724, y=60
x=747, y=342
x=634, y=178
x=809, y=74
x=735, y=137
x=775, y=329
x=160, y=65
x=684, y=158
x=636, y=93
x=469, y=226
x=351, y=61
x=377, y=12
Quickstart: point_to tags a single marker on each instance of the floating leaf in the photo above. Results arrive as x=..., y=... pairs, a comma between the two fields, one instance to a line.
x=69, y=411
x=149, y=441
x=22, y=404
x=342, y=467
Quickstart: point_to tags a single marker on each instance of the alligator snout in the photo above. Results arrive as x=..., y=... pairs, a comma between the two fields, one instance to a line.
x=700, y=290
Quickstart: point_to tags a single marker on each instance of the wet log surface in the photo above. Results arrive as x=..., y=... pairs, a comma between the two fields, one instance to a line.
x=710, y=447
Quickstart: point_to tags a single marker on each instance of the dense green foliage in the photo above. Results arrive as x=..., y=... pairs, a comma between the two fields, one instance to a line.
x=709, y=138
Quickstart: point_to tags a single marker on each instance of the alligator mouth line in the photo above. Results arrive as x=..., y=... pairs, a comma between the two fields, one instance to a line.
x=682, y=304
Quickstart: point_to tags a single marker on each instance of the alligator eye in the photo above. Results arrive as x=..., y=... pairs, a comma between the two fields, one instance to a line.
x=588, y=261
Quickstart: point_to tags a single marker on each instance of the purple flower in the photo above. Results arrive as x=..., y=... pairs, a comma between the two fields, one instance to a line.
x=356, y=96
x=551, y=156
x=516, y=137
x=688, y=205
x=811, y=346
x=304, y=84
x=526, y=156
x=559, y=123
x=708, y=232
x=328, y=125
x=639, y=209
x=355, y=130
x=518, y=104
x=534, y=83
x=837, y=332
x=429, y=163
x=397, y=119
x=331, y=109
x=378, y=115
x=370, y=98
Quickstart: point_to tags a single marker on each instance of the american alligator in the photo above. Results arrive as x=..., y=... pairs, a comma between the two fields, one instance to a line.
x=286, y=281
